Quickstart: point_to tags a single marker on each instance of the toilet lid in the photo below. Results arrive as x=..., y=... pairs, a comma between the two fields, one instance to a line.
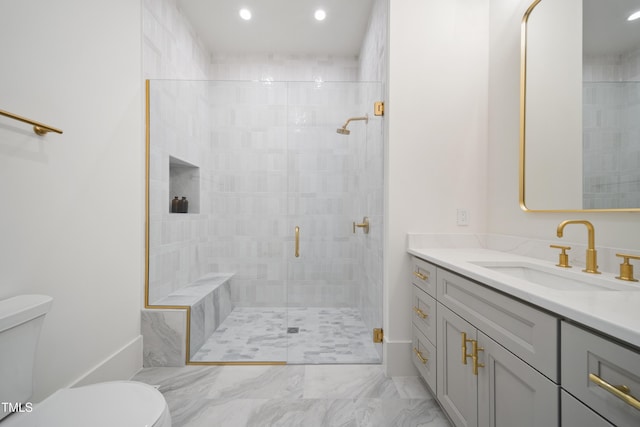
x=118, y=403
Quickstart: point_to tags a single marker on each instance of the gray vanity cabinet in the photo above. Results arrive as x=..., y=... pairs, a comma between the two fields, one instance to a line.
x=512, y=381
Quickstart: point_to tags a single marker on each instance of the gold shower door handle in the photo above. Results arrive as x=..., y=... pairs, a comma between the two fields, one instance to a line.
x=297, y=254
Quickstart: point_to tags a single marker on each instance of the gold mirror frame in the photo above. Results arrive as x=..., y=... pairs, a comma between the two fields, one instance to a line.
x=523, y=122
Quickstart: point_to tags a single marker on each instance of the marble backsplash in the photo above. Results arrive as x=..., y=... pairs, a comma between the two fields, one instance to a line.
x=534, y=248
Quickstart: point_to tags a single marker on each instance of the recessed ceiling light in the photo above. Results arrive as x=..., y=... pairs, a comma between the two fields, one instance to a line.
x=245, y=14
x=320, y=15
x=634, y=16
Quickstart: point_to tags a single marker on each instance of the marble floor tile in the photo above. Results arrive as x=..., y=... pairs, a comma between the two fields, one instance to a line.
x=293, y=396
x=348, y=382
x=324, y=335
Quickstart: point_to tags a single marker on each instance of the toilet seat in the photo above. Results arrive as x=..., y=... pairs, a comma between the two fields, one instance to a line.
x=109, y=404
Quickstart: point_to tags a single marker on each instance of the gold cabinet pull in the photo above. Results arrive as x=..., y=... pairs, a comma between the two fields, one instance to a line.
x=420, y=275
x=420, y=313
x=621, y=392
x=474, y=356
x=297, y=254
x=464, y=348
x=420, y=356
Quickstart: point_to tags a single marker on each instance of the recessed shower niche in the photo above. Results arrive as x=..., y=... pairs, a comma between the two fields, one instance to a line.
x=184, y=181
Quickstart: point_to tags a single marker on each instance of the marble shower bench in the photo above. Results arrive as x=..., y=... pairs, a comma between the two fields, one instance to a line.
x=164, y=329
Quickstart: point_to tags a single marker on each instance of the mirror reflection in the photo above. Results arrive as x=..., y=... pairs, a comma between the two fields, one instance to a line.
x=580, y=133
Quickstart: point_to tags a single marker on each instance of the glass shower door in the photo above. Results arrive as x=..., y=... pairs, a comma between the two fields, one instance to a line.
x=332, y=302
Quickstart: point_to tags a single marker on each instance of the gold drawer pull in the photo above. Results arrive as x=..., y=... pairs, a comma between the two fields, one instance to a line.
x=420, y=313
x=420, y=275
x=621, y=392
x=420, y=356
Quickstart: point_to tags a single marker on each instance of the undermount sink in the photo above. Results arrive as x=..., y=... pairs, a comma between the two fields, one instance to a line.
x=556, y=278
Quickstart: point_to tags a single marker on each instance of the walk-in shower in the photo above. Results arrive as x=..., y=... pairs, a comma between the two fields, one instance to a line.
x=265, y=259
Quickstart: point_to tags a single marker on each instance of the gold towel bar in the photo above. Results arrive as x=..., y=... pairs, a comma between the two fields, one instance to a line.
x=39, y=128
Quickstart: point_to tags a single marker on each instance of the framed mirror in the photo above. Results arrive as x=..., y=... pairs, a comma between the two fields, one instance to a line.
x=580, y=106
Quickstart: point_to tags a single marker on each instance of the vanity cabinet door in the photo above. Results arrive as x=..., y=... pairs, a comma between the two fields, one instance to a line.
x=512, y=393
x=457, y=386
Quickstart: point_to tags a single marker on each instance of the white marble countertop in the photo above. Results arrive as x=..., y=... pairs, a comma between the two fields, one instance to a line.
x=613, y=312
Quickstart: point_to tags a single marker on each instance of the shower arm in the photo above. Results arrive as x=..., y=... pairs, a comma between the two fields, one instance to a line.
x=365, y=118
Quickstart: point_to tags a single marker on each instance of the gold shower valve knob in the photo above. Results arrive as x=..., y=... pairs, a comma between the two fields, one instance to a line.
x=626, y=269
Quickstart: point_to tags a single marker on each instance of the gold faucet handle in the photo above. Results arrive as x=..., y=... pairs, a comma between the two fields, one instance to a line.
x=563, y=260
x=626, y=269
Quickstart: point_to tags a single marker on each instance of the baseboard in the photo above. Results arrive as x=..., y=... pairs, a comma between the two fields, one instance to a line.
x=121, y=365
x=397, y=359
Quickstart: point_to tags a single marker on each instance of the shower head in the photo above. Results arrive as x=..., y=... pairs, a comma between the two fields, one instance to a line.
x=344, y=131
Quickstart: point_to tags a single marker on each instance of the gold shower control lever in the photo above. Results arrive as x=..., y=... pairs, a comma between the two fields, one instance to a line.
x=626, y=269
x=364, y=225
x=297, y=254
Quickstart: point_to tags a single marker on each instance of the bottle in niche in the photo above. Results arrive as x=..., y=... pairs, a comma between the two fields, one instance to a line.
x=174, y=204
x=183, y=205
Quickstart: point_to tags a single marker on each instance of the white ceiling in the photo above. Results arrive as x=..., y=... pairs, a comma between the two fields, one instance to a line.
x=280, y=26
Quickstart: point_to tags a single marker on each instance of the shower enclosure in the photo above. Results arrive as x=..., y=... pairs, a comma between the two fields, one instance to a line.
x=270, y=239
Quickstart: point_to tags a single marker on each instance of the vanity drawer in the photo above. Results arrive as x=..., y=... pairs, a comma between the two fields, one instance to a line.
x=424, y=358
x=584, y=353
x=424, y=313
x=423, y=275
x=527, y=332
x=575, y=414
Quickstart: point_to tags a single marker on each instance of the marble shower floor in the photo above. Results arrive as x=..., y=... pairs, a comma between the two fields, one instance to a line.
x=293, y=395
x=325, y=335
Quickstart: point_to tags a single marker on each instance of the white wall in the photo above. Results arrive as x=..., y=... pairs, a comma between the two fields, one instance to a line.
x=437, y=143
x=72, y=205
x=619, y=230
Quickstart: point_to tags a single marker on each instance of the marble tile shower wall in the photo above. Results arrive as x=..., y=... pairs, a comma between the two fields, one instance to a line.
x=179, y=128
x=278, y=163
x=283, y=67
x=611, y=96
x=171, y=48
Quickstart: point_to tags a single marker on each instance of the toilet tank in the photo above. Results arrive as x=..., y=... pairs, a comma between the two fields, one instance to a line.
x=21, y=318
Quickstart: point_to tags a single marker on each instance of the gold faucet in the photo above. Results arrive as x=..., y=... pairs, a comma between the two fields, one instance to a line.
x=592, y=263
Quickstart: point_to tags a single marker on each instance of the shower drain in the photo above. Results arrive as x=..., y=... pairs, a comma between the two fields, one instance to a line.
x=293, y=330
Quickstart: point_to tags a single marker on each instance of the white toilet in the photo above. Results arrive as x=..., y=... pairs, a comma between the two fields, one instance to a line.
x=109, y=404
